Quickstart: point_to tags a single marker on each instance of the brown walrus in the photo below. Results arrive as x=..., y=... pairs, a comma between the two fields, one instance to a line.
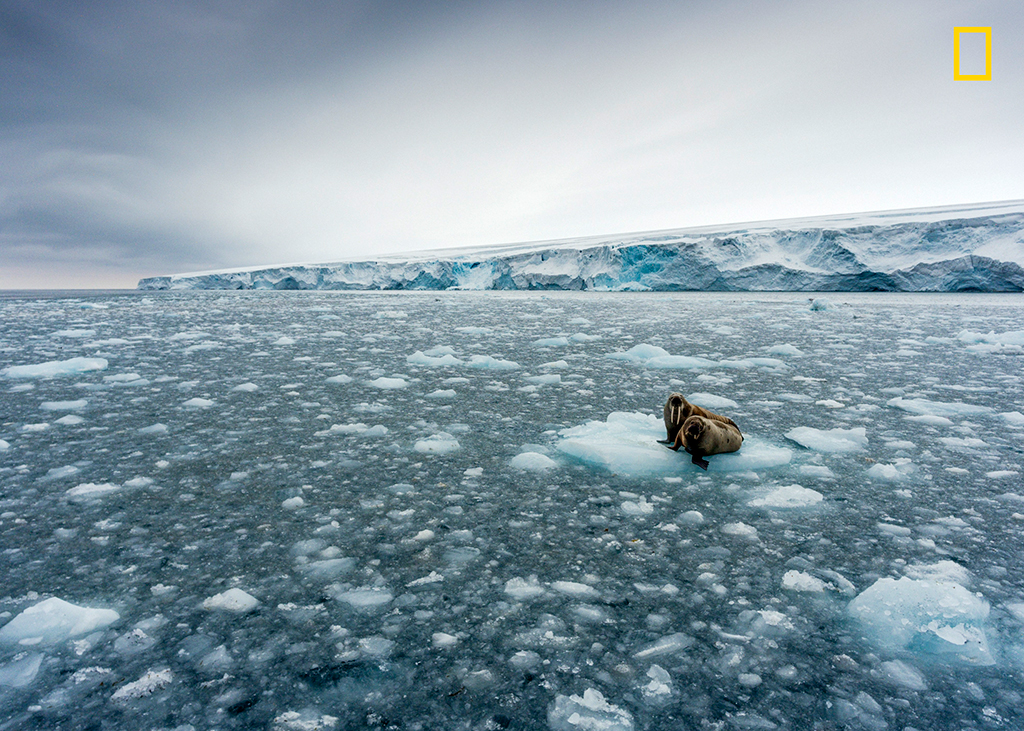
x=703, y=437
x=678, y=410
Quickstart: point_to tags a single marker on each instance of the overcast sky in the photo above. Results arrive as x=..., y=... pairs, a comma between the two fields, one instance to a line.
x=140, y=138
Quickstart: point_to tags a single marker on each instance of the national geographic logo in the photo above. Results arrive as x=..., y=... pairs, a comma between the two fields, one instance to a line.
x=968, y=61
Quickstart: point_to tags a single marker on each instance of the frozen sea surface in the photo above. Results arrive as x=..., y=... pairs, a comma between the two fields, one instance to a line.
x=319, y=510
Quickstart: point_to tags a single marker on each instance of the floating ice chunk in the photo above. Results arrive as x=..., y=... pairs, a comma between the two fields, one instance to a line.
x=830, y=440
x=357, y=429
x=1013, y=417
x=963, y=442
x=55, y=620
x=742, y=530
x=443, y=640
x=471, y=330
x=627, y=444
x=523, y=589
x=1008, y=343
x=76, y=405
x=583, y=338
x=246, y=387
x=392, y=314
x=788, y=496
x=800, y=581
x=659, y=689
x=533, y=461
x=442, y=393
x=830, y=403
x=930, y=420
x=133, y=642
x=432, y=578
x=422, y=359
x=440, y=443
x=232, y=600
x=90, y=491
x=555, y=364
x=59, y=473
x=940, y=571
x=1001, y=474
x=544, y=380
x=154, y=429
x=488, y=362
x=711, y=401
x=785, y=349
x=148, y=684
x=389, y=384
x=367, y=599
x=928, y=617
x=304, y=721
x=293, y=503
x=341, y=379
x=4, y=445
x=75, y=333
x=638, y=507
x=328, y=568
x=69, y=420
x=639, y=353
x=589, y=713
x=817, y=470
x=903, y=675
x=575, y=589
x=55, y=368
x=284, y=340
x=936, y=408
x=524, y=660
x=667, y=645
x=551, y=342
x=819, y=304
x=900, y=470
x=683, y=362
x=198, y=403
x=21, y=672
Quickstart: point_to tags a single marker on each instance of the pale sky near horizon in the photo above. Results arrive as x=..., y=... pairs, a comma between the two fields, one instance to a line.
x=140, y=138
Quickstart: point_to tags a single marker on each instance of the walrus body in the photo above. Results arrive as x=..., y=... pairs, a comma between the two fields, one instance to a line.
x=703, y=437
x=678, y=410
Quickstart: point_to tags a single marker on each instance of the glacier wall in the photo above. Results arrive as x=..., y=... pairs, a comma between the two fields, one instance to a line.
x=978, y=248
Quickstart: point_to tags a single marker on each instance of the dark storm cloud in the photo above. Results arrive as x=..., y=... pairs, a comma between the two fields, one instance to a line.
x=153, y=137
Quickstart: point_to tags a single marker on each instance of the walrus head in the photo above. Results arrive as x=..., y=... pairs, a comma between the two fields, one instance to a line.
x=676, y=405
x=693, y=428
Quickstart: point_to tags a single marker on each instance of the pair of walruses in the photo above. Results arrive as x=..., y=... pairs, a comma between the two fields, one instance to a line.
x=700, y=432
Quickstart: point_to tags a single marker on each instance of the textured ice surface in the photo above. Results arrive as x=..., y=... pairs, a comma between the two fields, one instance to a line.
x=432, y=587
x=54, y=620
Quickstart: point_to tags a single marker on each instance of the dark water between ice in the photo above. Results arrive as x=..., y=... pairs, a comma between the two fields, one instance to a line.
x=418, y=589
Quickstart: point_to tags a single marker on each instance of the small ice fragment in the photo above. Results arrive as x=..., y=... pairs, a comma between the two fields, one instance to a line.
x=440, y=443
x=521, y=589
x=443, y=640
x=589, y=713
x=157, y=428
x=232, y=600
x=90, y=491
x=668, y=645
x=788, y=496
x=340, y=379
x=20, y=673
x=246, y=387
x=76, y=405
x=800, y=581
x=532, y=461
x=293, y=503
x=149, y=683
x=903, y=675
x=389, y=384
x=198, y=403
x=830, y=440
x=574, y=589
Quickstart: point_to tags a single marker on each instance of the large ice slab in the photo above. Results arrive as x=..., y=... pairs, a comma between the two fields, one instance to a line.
x=55, y=368
x=931, y=617
x=54, y=620
x=627, y=444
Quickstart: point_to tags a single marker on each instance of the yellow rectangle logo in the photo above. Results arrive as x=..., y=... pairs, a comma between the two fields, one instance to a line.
x=987, y=76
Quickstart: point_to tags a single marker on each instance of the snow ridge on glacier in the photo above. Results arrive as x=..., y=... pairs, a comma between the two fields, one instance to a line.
x=948, y=249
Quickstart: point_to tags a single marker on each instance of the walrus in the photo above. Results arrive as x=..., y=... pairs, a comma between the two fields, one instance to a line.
x=702, y=437
x=678, y=410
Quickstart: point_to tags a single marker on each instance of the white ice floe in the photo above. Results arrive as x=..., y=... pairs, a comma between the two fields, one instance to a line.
x=367, y=599
x=440, y=443
x=442, y=393
x=937, y=618
x=1015, y=418
x=788, y=496
x=945, y=570
x=157, y=428
x=55, y=620
x=55, y=368
x=246, y=387
x=422, y=359
x=785, y=349
x=801, y=581
x=936, y=408
x=198, y=403
x=711, y=401
x=544, y=380
x=903, y=675
x=667, y=645
x=591, y=712
x=575, y=589
x=340, y=379
x=627, y=444
x=901, y=469
x=522, y=589
x=232, y=600
x=489, y=362
x=1007, y=343
x=357, y=429
x=551, y=342
x=830, y=440
x=652, y=356
x=389, y=384
x=90, y=491
x=533, y=462
x=150, y=682
x=4, y=445
x=21, y=672
x=76, y=405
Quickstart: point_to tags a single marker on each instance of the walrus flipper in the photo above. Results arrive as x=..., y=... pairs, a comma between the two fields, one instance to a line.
x=698, y=459
x=665, y=441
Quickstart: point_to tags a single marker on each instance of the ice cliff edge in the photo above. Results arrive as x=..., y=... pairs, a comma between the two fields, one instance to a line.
x=950, y=249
